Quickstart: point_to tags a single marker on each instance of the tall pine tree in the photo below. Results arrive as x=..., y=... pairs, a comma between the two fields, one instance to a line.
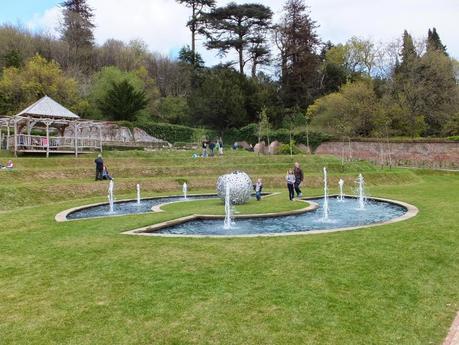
x=298, y=43
x=434, y=42
x=198, y=9
x=77, y=30
x=408, y=55
x=242, y=28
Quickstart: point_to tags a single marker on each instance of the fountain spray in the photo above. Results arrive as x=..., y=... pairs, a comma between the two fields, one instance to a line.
x=361, y=192
x=325, y=206
x=111, y=199
x=185, y=190
x=228, y=209
x=138, y=194
x=341, y=194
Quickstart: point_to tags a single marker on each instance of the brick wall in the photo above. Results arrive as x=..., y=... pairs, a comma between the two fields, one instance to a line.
x=418, y=154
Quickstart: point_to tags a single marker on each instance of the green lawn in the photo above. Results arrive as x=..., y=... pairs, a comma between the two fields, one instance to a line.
x=83, y=282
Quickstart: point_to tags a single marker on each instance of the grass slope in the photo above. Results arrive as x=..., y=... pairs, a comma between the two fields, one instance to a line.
x=84, y=283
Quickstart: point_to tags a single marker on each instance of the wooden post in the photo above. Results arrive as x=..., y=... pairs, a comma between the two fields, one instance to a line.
x=47, y=139
x=15, y=140
x=100, y=137
x=8, y=135
x=75, y=136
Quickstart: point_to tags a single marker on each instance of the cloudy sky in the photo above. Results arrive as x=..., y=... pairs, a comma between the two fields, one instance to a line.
x=161, y=23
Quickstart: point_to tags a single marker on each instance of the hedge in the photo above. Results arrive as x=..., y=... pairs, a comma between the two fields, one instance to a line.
x=249, y=133
x=177, y=133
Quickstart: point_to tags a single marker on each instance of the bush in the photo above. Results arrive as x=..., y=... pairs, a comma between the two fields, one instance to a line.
x=454, y=138
x=248, y=133
x=284, y=149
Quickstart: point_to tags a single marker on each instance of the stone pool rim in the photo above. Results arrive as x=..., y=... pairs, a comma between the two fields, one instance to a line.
x=149, y=230
x=62, y=216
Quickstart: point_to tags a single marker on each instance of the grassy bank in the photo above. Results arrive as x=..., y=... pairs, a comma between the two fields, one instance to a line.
x=84, y=283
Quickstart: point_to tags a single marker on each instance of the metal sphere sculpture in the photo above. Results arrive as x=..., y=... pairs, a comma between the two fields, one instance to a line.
x=240, y=187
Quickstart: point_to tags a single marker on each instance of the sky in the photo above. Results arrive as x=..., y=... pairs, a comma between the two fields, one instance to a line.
x=161, y=23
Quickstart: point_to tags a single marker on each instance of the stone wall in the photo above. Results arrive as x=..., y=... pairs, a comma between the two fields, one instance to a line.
x=416, y=154
x=112, y=134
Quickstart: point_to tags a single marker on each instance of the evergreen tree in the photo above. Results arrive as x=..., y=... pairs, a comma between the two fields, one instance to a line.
x=434, y=42
x=408, y=54
x=242, y=28
x=198, y=8
x=77, y=30
x=186, y=56
x=123, y=102
x=297, y=41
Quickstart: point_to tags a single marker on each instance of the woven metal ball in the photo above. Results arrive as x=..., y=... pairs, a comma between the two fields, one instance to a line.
x=240, y=187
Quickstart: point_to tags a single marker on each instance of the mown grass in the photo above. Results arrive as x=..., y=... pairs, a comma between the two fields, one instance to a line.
x=84, y=283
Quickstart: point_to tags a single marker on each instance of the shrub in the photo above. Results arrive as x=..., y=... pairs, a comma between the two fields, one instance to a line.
x=284, y=149
x=177, y=133
x=454, y=138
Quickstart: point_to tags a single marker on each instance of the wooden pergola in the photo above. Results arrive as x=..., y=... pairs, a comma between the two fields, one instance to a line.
x=51, y=118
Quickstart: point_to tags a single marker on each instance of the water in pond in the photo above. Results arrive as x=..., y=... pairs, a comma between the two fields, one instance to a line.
x=129, y=207
x=344, y=213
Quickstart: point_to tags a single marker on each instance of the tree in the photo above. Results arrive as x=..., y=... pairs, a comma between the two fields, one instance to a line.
x=361, y=55
x=12, y=58
x=77, y=30
x=263, y=125
x=297, y=42
x=333, y=69
x=109, y=76
x=434, y=42
x=408, y=56
x=242, y=28
x=293, y=118
x=198, y=8
x=21, y=87
x=123, y=102
x=174, y=110
x=186, y=56
x=220, y=100
x=425, y=86
x=350, y=112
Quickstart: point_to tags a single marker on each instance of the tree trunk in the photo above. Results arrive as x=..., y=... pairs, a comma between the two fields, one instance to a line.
x=241, y=61
x=193, y=36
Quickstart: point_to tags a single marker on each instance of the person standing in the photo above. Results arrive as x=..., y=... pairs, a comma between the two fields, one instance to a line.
x=212, y=148
x=290, y=178
x=204, y=149
x=220, y=143
x=99, y=167
x=258, y=188
x=299, y=176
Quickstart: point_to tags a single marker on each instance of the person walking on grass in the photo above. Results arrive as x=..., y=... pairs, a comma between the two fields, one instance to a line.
x=299, y=176
x=99, y=167
x=290, y=178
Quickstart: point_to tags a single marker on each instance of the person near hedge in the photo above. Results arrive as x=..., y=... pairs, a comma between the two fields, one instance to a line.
x=204, y=149
x=212, y=148
x=290, y=178
x=299, y=176
x=220, y=144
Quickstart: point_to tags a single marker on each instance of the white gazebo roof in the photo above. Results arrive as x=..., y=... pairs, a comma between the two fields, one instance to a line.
x=48, y=107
